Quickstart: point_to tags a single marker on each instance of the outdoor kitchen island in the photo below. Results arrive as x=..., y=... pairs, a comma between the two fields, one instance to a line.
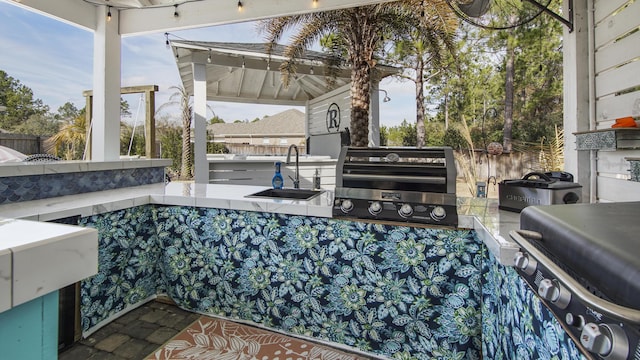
x=391, y=290
x=36, y=260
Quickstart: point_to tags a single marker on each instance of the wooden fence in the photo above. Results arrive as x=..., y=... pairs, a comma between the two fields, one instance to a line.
x=258, y=170
x=506, y=166
x=246, y=149
x=26, y=144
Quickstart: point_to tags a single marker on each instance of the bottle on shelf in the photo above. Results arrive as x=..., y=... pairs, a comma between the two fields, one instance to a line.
x=316, y=180
x=278, y=180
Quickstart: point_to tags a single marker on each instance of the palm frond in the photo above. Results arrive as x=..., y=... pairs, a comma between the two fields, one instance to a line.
x=550, y=153
x=468, y=163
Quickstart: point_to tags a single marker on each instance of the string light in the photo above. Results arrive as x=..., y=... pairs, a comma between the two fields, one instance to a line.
x=175, y=11
x=239, y=5
x=268, y=65
x=166, y=41
x=243, y=64
x=311, y=70
x=108, y=13
x=209, y=57
x=314, y=3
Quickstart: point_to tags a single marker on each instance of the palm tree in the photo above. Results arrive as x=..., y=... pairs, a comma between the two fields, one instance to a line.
x=182, y=99
x=69, y=141
x=423, y=49
x=360, y=32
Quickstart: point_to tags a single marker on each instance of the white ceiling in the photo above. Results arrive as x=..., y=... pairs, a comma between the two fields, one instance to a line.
x=148, y=16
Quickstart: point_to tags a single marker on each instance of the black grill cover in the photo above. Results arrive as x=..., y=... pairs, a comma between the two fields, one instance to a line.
x=599, y=243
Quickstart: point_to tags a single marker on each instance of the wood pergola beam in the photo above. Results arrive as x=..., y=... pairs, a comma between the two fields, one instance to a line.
x=150, y=119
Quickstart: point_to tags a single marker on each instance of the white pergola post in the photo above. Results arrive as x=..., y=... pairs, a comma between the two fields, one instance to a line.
x=201, y=166
x=577, y=100
x=374, y=115
x=105, y=139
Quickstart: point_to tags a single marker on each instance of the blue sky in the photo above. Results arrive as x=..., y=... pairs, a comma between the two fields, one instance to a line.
x=55, y=60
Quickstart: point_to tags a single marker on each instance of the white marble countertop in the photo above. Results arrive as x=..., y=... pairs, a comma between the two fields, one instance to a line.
x=174, y=193
x=37, y=258
x=268, y=158
x=493, y=226
x=60, y=167
x=479, y=214
x=235, y=197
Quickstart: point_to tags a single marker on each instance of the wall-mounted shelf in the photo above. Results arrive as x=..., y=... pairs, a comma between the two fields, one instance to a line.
x=608, y=139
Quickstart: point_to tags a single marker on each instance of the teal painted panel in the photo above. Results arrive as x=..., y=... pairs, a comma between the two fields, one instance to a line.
x=30, y=331
x=50, y=311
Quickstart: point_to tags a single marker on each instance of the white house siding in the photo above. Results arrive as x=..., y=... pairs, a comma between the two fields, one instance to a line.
x=617, y=91
x=324, y=141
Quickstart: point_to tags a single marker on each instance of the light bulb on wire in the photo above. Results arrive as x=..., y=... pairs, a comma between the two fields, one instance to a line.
x=108, y=13
x=176, y=14
x=314, y=3
x=240, y=6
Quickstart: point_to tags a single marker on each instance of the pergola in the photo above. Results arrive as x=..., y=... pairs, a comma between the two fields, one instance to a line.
x=248, y=73
x=244, y=72
x=110, y=20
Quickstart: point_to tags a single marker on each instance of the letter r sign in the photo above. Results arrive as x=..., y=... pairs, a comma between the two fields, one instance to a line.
x=333, y=118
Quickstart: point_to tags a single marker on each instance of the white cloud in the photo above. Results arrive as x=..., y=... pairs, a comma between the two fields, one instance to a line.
x=55, y=60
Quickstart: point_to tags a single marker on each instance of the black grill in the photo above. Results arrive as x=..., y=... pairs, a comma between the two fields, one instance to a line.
x=397, y=183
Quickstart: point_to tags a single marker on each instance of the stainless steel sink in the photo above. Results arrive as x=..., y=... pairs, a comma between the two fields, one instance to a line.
x=296, y=194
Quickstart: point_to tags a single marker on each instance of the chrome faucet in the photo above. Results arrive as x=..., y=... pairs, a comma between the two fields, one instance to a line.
x=296, y=180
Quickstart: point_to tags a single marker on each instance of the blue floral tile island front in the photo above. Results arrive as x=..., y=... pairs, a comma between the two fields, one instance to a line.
x=390, y=291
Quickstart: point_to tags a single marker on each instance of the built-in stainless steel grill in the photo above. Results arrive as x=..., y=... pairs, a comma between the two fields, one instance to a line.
x=398, y=184
x=584, y=262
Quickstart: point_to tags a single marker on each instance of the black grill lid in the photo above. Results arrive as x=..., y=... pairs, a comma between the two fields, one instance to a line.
x=547, y=180
x=598, y=242
x=428, y=169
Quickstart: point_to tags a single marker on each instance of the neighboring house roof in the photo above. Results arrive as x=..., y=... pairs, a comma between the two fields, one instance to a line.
x=289, y=122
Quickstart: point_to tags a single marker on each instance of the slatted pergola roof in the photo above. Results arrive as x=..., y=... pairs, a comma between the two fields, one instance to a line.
x=244, y=72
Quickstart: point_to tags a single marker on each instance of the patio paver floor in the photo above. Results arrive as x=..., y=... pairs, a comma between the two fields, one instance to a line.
x=134, y=335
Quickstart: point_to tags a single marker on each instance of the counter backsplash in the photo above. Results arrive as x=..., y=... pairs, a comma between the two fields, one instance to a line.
x=396, y=291
x=24, y=182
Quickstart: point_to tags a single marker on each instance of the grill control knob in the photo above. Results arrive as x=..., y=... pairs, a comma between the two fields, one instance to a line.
x=375, y=208
x=438, y=213
x=552, y=291
x=405, y=210
x=346, y=206
x=607, y=340
x=525, y=263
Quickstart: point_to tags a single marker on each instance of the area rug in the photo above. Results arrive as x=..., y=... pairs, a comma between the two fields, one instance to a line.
x=216, y=339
